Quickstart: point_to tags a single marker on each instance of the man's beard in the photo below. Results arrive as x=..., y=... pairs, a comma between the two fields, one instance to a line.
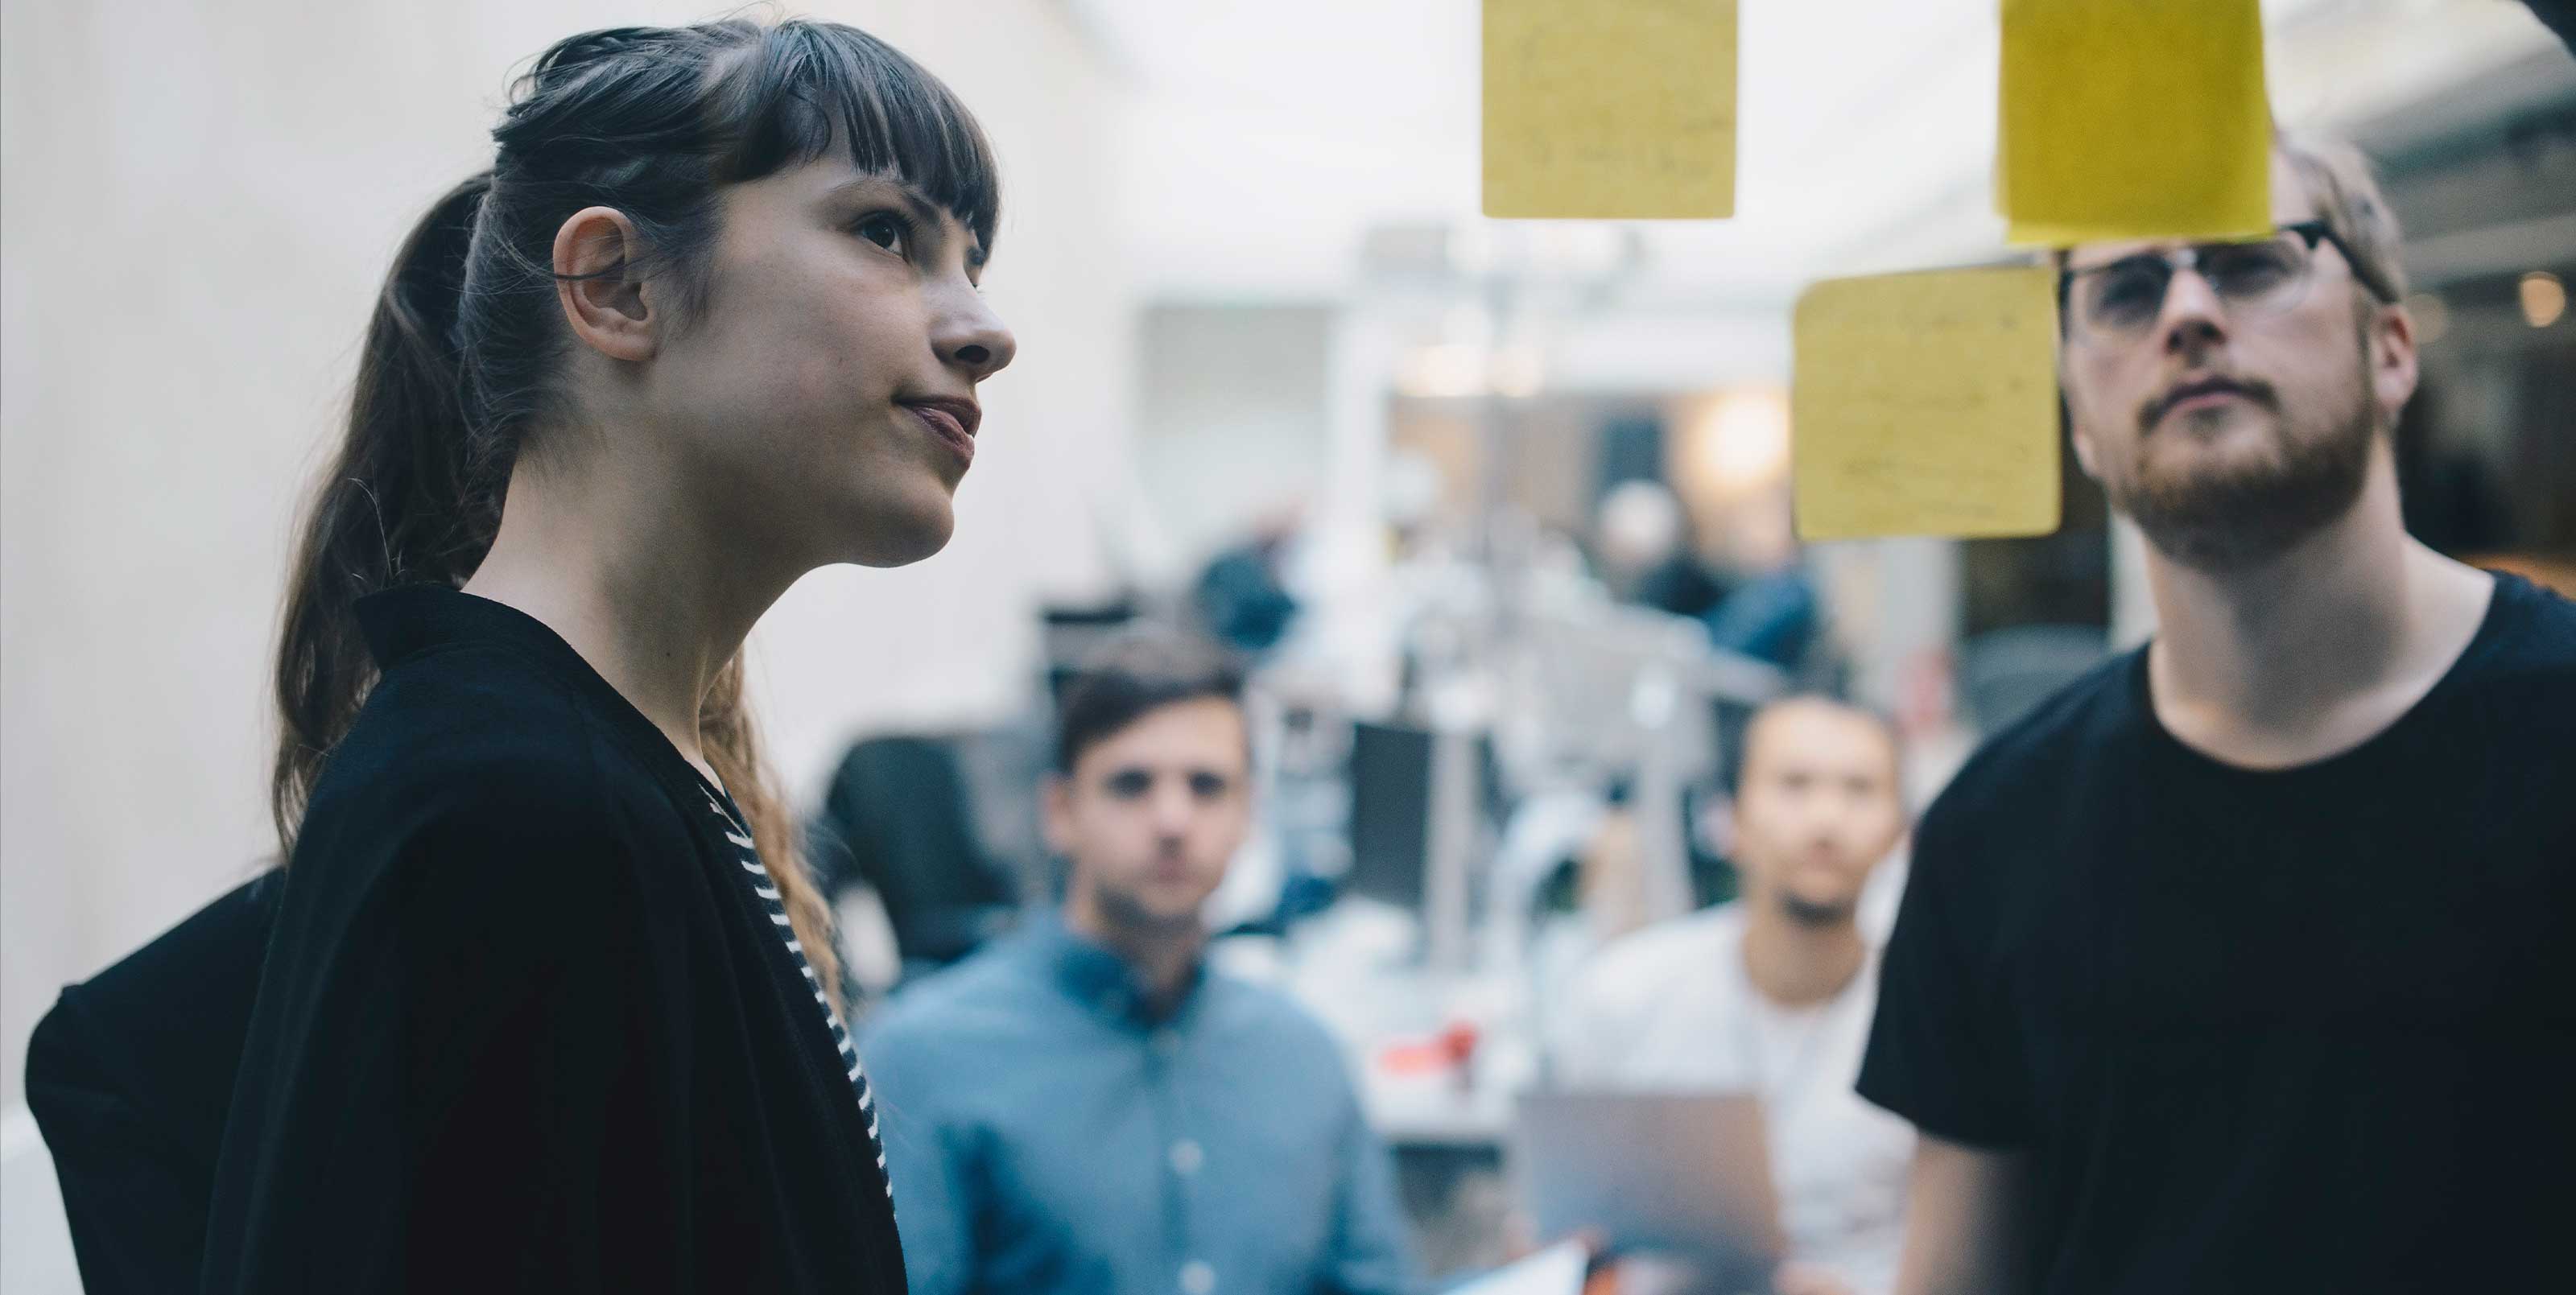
x=2220, y=517
x=1128, y=911
x=1812, y=915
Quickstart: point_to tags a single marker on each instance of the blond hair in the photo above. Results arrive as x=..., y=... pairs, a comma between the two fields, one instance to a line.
x=2339, y=180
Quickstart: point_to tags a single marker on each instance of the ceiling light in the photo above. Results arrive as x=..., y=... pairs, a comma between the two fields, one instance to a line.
x=2544, y=298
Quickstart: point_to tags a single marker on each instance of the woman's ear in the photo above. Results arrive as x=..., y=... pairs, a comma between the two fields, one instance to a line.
x=603, y=302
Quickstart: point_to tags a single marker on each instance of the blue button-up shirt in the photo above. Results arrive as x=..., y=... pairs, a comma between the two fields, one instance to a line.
x=1044, y=1134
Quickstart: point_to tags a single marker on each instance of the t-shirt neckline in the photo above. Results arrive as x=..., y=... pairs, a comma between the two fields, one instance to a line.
x=2142, y=695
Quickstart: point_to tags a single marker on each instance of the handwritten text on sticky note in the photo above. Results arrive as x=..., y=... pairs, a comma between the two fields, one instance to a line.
x=1610, y=109
x=1926, y=404
x=2133, y=119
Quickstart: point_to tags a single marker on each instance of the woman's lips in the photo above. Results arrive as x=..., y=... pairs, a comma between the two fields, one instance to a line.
x=945, y=426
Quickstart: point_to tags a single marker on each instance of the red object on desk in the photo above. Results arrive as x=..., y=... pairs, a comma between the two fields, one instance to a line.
x=1451, y=1049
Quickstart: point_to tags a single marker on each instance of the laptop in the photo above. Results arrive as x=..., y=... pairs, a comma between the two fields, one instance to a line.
x=1681, y=1175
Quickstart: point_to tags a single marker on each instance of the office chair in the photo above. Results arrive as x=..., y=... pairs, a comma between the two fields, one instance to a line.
x=899, y=819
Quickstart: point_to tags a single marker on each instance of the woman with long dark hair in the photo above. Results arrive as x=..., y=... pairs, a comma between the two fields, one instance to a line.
x=549, y=1004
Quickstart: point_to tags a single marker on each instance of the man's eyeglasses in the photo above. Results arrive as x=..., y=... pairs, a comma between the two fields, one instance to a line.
x=2263, y=276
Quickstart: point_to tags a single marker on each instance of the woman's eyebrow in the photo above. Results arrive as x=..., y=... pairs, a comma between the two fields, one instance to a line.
x=923, y=210
x=868, y=186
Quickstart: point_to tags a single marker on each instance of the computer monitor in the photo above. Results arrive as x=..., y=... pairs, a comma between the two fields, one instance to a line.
x=1390, y=821
x=1421, y=813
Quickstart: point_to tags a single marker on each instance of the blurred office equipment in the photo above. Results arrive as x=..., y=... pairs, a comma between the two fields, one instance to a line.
x=1680, y=1174
x=2004, y=673
x=2483, y=180
x=1417, y=827
x=1622, y=696
x=1543, y=713
x=1069, y=633
x=1557, y=1270
x=1390, y=813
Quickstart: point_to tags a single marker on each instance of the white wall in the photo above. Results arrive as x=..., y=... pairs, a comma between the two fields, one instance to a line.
x=196, y=203
x=1230, y=415
x=35, y=1239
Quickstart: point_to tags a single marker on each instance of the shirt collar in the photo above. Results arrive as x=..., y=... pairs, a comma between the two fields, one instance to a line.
x=411, y=621
x=1099, y=979
x=414, y=620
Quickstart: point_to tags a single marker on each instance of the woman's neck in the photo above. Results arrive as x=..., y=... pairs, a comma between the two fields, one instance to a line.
x=649, y=601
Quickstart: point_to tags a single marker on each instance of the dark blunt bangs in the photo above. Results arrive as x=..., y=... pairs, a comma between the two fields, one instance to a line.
x=811, y=86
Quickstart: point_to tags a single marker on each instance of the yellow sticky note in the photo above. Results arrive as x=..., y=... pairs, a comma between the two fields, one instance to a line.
x=1610, y=109
x=2133, y=119
x=1926, y=404
x=2031, y=233
x=2025, y=233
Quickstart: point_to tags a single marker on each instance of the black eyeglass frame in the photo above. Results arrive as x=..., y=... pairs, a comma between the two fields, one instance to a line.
x=2312, y=232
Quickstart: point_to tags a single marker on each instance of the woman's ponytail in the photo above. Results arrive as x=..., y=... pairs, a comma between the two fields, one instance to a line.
x=404, y=499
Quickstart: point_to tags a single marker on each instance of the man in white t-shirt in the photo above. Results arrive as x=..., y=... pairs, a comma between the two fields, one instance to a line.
x=1772, y=995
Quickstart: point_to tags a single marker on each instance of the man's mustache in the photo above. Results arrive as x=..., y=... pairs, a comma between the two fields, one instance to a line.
x=2254, y=389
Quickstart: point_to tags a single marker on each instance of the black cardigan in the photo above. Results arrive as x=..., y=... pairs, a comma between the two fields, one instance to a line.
x=522, y=1025
x=129, y=1077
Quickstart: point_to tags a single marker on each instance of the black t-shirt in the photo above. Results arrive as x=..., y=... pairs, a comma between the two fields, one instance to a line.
x=2303, y=1030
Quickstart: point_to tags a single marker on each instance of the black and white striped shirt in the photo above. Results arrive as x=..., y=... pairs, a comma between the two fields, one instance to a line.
x=758, y=876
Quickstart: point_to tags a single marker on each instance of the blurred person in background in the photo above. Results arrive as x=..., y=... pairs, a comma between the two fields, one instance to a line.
x=1763, y=607
x=1772, y=994
x=1242, y=593
x=537, y=1006
x=1641, y=536
x=1772, y=611
x=1086, y=1106
x=2241, y=965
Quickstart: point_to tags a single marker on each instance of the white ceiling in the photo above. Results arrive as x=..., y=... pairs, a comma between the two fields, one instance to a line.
x=1261, y=139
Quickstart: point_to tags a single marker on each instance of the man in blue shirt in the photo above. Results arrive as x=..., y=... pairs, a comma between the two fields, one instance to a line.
x=1085, y=1107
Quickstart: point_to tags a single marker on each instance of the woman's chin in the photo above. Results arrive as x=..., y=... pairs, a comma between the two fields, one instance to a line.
x=901, y=540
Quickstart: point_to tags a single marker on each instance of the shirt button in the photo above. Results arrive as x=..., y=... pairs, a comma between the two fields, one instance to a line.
x=1197, y=1278
x=1187, y=1156
x=1167, y=1041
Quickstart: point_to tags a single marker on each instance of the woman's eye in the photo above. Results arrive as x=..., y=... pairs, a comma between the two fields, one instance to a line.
x=885, y=230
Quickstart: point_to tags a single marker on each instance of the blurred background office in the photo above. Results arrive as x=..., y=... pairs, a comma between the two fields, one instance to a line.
x=1498, y=512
